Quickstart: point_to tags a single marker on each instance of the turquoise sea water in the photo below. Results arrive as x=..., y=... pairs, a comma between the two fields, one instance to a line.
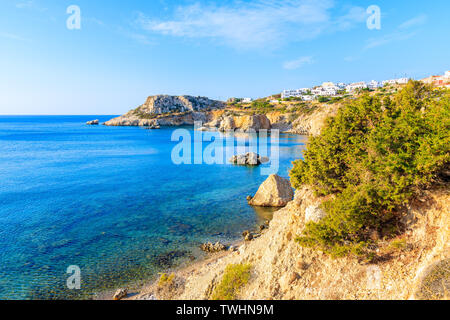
x=110, y=200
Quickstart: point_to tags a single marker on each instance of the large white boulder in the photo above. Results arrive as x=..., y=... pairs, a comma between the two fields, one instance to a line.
x=274, y=192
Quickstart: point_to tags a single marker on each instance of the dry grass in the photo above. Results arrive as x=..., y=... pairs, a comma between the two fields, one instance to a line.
x=236, y=276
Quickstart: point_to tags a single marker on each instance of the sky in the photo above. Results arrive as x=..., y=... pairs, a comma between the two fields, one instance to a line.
x=125, y=51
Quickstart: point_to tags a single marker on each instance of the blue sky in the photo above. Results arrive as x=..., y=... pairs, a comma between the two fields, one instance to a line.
x=128, y=50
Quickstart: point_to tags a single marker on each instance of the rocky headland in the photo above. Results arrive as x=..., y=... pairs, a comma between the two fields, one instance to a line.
x=283, y=270
x=415, y=264
x=164, y=110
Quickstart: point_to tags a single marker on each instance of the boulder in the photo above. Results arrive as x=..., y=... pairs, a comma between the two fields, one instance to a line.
x=248, y=159
x=274, y=192
x=314, y=213
x=227, y=123
x=120, y=294
x=253, y=159
x=248, y=237
x=93, y=122
x=211, y=248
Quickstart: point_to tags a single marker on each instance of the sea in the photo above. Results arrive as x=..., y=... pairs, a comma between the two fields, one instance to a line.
x=112, y=203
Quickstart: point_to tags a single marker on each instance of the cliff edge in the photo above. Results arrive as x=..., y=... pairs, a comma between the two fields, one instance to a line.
x=283, y=270
x=168, y=110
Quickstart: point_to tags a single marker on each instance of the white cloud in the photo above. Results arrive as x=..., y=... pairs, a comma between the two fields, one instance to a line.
x=25, y=4
x=298, y=63
x=30, y=4
x=400, y=34
x=255, y=24
x=12, y=36
x=389, y=38
x=417, y=21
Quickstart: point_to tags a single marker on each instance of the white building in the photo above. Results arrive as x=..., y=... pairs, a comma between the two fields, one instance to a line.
x=447, y=75
x=373, y=84
x=396, y=81
x=294, y=93
x=355, y=86
x=247, y=100
x=328, y=85
x=308, y=98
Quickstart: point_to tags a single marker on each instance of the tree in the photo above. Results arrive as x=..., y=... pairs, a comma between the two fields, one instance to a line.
x=372, y=157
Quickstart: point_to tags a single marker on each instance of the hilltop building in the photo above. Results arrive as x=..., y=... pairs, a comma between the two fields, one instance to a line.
x=355, y=86
x=294, y=93
x=374, y=85
x=438, y=81
x=395, y=81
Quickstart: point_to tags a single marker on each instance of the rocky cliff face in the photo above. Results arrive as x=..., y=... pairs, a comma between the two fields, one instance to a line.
x=281, y=269
x=162, y=104
x=163, y=110
x=169, y=111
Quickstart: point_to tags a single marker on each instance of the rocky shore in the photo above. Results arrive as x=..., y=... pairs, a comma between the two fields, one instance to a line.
x=416, y=267
x=283, y=270
x=164, y=110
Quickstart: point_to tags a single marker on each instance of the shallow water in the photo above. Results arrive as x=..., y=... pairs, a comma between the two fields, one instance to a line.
x=111, y=201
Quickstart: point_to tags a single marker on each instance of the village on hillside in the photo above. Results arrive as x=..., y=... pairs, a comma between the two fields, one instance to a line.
x=333, y=90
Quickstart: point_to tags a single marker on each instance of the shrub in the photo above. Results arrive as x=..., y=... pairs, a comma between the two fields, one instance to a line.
x=236, y=276
x=166, y=280
x=372, y=157
x=323, y=99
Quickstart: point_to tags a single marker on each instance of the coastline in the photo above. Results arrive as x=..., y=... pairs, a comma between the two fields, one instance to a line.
x=283, y=270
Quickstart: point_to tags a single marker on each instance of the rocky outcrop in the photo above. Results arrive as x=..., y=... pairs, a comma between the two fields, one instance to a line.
x=93, y=122
x=283, y=270
x=213, y=247
x=120, y=294
x=163, y=110
x=314, y=214
x=163, y=104
x=245, y=123
x=248, y=159
x=274, y=192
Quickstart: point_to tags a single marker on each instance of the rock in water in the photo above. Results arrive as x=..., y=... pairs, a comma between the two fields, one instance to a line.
x=93, y=122
x=248, y=159
x=274, y=192
x=253, y=159
x=210, y=247
x=120, y=294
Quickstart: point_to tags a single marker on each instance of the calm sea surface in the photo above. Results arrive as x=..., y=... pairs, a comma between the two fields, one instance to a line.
x=111, y=201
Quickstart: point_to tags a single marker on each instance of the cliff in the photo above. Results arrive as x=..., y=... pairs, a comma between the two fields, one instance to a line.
x=281, y=269
x=168, y=110
x=163, y=110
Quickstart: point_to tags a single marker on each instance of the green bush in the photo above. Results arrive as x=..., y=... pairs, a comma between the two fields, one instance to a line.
x=323, y=99
x=372, y=157
x=236, y=276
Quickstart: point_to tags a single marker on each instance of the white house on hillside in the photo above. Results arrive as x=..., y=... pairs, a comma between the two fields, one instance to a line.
x=373, y=84
x=294, y=93
x=355, y=86
x=396, y=81
x=247, y=100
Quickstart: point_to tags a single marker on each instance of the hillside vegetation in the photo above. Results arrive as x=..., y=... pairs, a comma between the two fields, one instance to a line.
x=370, y=160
